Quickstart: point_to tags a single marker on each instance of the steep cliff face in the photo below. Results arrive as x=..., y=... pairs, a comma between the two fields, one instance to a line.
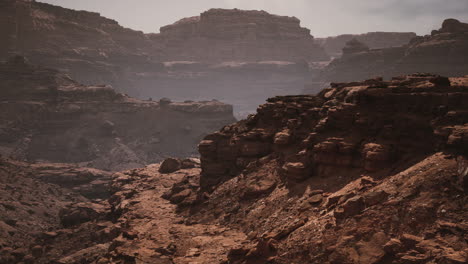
x=47, y=116
x=348, y=125
x=442, y=52
x=374, y=40
x=237, y=35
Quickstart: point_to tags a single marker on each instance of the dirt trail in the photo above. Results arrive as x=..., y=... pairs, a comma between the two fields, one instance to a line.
x=155, y=233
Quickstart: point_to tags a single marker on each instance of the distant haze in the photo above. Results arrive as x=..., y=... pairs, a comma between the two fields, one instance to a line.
x=323, y=18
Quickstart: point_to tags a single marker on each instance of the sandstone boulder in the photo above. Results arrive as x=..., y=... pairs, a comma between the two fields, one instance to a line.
x=170, y=165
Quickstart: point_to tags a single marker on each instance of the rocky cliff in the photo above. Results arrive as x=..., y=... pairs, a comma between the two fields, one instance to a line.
x=364, y=172
x=374, y=40
x=93, y=49
x=255, y=54
x=442, y=52
x=238, y=35
x=45, y=115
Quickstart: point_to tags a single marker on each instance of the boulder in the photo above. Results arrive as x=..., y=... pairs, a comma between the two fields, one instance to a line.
x=170, y=165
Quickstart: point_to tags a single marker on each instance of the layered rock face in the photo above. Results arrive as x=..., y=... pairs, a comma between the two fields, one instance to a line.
x=253, y=53
x=93, y=49
x=442, y=52
x=365, y=172
x=237, y=35
x=346, y=126
x=47, y=116
x=374, y=40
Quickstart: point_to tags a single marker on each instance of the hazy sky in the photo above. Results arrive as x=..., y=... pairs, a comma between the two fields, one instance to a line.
x=322, y=17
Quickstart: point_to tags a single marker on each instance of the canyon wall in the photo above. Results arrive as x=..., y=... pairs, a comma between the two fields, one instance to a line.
x=442, y=52
x=374, y=40
x=46, y=116
x=364, y=172
x=238, y=35
x=93, y=49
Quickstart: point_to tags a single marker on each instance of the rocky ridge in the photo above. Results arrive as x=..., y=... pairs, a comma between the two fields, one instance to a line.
x=239, y=35
x=46, y=116
x=442, y=52
x=336, y=178
x=374, y=40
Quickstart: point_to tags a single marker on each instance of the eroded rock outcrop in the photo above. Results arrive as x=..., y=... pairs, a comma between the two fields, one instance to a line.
x=365, y=172
x=332, y=130
x=442, y=52
x=238, y=35
x=93, y=49
x=374, y=40
x=47, y=116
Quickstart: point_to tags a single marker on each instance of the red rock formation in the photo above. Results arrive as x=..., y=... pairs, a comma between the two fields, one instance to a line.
x=358, y=110
x=442, y=52
x=47, y=116
x=375, y=40
x=237, y=35
x=353, y=175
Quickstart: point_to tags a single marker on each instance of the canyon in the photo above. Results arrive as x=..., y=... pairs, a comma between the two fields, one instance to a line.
x=442, y=52
x=253, y=55
x=46, y=116
x=122, y=147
